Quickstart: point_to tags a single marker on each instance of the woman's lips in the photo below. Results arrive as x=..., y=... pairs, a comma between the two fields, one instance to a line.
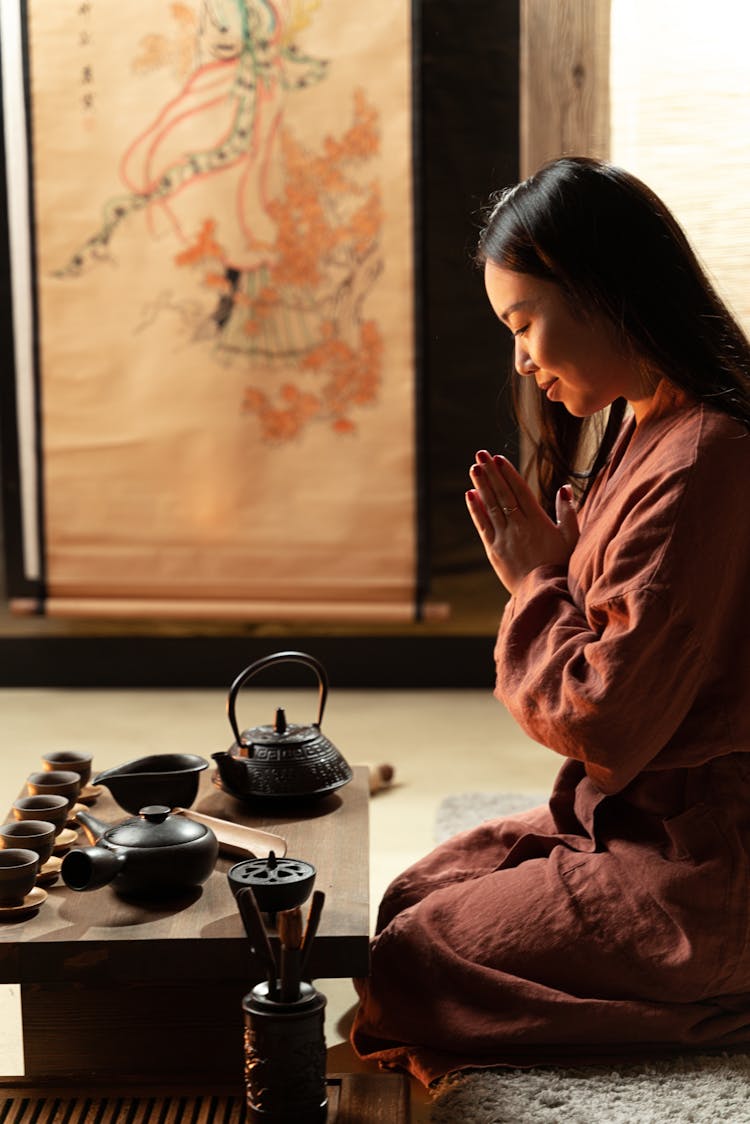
x=545, y=387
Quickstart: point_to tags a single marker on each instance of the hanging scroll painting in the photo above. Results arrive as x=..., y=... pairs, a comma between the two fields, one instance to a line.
x=224, y=274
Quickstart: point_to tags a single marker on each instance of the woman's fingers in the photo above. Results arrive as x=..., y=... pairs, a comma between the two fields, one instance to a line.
x=516, y=483
x=498, y=495
x=516, y=533
x=478, y=514
x=485, y=497
x=567, y=517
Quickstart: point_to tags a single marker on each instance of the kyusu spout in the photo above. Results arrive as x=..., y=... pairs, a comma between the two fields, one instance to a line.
x=91, y=867
x=93, y=828
x=88, y=868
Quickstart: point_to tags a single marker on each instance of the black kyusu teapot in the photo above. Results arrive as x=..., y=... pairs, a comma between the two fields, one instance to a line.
x=281, y=762
x=153, y=853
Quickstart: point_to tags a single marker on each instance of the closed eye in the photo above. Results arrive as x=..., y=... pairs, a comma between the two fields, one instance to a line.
x=520, y=331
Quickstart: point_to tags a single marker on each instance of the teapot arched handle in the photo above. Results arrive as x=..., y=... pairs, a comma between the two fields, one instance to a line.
x=268, y=661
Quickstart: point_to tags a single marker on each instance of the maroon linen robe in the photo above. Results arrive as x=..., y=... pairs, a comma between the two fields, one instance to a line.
x=615, y=920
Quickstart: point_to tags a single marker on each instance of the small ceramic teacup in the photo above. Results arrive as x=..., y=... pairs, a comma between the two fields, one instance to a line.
x=53, y=809
x=70, y=760
x=31, y=835
x=18, y=871
x=56, y=782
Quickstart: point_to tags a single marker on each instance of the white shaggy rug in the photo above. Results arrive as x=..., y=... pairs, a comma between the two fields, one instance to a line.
x=697, y=1089
x=467, y=809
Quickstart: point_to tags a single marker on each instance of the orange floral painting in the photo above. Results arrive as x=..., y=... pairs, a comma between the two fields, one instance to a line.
x=290, y=270
x=223, y=257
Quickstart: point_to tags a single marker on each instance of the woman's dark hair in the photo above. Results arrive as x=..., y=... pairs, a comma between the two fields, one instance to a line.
x=615, y=250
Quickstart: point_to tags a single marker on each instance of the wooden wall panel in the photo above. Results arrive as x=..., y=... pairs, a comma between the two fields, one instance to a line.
x=564, y=80
x=564, y=103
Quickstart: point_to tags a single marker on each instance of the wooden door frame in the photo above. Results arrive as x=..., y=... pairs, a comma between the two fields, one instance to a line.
x=563, y=80
x=564, y=101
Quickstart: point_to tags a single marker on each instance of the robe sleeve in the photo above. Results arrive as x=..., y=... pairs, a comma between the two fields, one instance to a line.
x=608, y=686
x=640, y=647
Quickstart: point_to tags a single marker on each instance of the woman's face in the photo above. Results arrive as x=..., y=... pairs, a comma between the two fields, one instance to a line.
x=573, y=358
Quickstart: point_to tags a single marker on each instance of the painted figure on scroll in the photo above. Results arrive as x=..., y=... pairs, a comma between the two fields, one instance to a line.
x=614, y=920
x=203, y=169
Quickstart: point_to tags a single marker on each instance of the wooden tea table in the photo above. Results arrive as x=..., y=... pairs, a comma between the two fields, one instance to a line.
x=119, y=987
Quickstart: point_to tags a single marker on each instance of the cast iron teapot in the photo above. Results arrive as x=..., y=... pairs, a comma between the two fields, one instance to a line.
x=282, y=761
x=153, y=853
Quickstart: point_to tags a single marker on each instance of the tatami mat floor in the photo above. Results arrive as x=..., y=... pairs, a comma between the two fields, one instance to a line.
x=440, y=742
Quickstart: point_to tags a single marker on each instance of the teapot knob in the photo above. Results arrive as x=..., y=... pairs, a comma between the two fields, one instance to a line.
x=280, y=724
x=155, y=813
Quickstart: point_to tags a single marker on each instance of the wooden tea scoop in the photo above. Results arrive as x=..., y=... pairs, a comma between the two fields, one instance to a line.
x=238, y=839
x=258, y=937
x=289, y=925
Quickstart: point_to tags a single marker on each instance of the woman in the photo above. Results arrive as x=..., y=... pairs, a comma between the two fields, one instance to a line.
x=616, y=919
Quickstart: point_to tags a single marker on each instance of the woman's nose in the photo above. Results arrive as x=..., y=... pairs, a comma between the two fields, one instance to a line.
x=525, y=365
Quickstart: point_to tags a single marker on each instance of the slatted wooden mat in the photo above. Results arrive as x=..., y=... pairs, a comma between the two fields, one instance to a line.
x=23, y=1107
x=353, y=1098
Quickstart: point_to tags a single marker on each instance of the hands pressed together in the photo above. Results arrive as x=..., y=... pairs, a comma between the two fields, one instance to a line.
x=516, y=533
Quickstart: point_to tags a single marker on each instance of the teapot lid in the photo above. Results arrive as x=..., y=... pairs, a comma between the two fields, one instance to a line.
x=155, y=826
x=281, y=733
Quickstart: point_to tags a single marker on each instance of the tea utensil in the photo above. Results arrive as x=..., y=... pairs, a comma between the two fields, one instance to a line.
x=238, y=839
x=257, y=935
x=289, y=925
x=311, y=928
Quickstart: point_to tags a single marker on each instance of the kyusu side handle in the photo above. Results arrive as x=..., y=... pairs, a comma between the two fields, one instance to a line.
x=268, y=661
